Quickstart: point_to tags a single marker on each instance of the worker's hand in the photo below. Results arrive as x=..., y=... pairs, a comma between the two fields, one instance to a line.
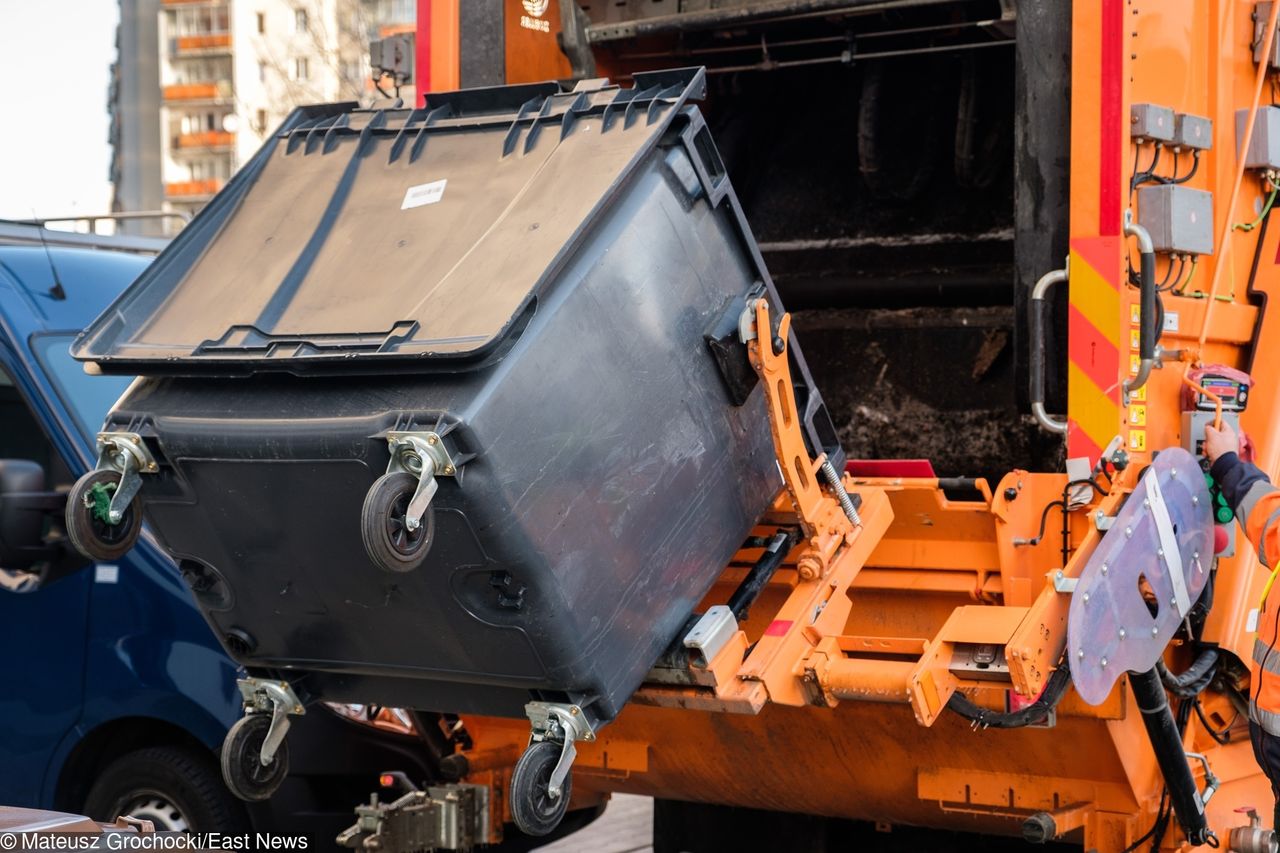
x=1220, y=441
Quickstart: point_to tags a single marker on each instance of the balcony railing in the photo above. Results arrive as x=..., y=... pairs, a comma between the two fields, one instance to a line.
x=197, y=91
x=205, y=139
x=202, y=41
x=192, y=189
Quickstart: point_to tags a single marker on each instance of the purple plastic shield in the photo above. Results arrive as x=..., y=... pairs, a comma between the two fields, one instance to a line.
x=1163, y=535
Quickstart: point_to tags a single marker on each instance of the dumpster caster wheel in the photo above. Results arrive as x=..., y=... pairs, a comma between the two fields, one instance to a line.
x=385, y=527
x=534, y=809
x=242, y=768
x=89, y=526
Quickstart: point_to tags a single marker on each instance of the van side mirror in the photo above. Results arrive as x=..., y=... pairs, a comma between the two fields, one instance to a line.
x=26, y=512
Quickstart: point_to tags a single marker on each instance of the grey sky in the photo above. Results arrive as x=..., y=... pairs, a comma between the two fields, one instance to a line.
x=55, y=57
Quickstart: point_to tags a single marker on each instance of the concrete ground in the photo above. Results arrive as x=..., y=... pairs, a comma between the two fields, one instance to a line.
x=625, y=827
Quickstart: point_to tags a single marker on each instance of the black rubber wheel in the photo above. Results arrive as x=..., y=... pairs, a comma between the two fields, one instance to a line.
x=387, y=540
x=91, y=535
x=532, y=806
x=242, y=769
x=176, y=788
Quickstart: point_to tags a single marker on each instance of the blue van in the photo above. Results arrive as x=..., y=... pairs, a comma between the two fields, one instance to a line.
x=116, y=694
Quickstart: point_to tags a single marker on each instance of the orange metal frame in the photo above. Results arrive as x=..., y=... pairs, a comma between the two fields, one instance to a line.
x=830, y=699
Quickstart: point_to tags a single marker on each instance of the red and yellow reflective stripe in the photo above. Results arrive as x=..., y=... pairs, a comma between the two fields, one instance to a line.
x=1094, y=346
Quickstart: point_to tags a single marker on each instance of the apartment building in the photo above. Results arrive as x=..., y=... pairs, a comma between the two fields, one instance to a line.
x=231, y=70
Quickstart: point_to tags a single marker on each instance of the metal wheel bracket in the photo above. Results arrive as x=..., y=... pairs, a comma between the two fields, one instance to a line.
x=423, y=455
x=126, y=453
x=263, y=696
x=563, y=724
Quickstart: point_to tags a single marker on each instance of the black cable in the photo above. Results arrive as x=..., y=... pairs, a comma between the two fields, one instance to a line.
x=1147, y=174
x=1195, y=166
x=985, y=718
x=1044, y=518
x=1165, y=284
x=1221, y=736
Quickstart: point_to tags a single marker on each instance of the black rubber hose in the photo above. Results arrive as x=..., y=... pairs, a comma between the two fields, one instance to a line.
x=775, y=552
x=985, y=718
x=1194, y=680
x=1150, y=697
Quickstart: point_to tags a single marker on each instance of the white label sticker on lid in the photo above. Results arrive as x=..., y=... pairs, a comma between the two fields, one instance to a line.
x=423, y=194
x=1171, y=321
x=105, y=573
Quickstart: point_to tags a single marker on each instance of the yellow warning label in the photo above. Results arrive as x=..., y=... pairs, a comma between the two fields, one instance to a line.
x=1137, y=415
x=1135, y=314
x=1135, y=338
x=1139, y=395
x=1134, y=364
x=1138, y=440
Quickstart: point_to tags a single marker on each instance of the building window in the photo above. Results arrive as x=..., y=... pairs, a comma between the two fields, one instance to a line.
x=299, y=20
x=301, y=68
x=262, y=121
x=262, y=22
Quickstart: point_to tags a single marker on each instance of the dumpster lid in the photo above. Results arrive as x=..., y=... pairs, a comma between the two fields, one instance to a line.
x=380, y=235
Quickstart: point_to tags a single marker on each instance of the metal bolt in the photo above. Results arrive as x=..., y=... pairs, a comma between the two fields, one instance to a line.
x=1080, y=654
x=1155, y=630
x=1104, y=662
x=1146, y=502
x=1174, y=601
x=1122, y=635
x=1195, y=499
x=1104, y=568
x=1159, y=552
x=1085, y=598
x=1195, y=555
x=448, y=469
x=1173, y=472
x=431, y=438
x=1128, y=531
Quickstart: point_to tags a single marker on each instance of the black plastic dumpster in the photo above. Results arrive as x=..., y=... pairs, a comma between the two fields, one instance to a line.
x=440, y=408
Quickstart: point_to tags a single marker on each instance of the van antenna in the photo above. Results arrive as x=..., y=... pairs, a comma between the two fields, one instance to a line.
x=57, y=291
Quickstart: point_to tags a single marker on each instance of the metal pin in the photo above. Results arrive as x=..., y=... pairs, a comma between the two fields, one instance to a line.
x=1155, y=630
x=1128, y=531
x=1195, y=499
x=1085, y=598
x=1146, y=502
x=1104, y=662
x=1122, y=634
x=1080, y=654
x=1104, y=568
x=1173, y=472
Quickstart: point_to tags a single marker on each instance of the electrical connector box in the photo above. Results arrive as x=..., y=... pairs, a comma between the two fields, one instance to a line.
x=1194, y=133
x=1264, y=146
x=1178, y=218
x=1261, y=12
x=1151, y=121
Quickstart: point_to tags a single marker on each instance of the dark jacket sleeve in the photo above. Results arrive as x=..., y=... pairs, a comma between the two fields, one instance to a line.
x=1236, y=477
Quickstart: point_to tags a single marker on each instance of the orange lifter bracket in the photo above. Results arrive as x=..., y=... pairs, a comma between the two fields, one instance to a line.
x=826, y=523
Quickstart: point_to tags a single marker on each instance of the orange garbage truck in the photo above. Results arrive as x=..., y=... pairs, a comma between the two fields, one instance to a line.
x=995, y=594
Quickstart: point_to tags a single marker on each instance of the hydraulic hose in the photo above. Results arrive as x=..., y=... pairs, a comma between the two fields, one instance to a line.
x=1194, y=680
x=985, y=718
x=1150, y=697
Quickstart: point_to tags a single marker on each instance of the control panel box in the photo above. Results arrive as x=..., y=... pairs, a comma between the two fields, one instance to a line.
x=1264, y=145
x=1179, y=218
x=1151, y=121
x=1261, y=14
x=1193, y=424
x=1194, y=133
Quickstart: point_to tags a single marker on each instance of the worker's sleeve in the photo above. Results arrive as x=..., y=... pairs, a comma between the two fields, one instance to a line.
x=1256, y=503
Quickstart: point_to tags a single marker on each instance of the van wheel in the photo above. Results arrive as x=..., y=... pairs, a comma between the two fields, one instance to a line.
x=177, y=788
x=89, y=531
